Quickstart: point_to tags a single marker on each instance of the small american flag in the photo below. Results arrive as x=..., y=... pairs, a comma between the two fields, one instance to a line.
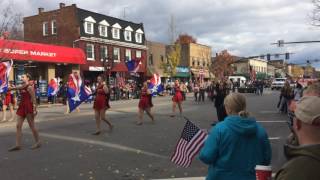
x=191, y=141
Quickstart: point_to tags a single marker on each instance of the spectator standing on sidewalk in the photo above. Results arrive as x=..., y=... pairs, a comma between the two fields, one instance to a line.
x=235, y=146
x=304, y=159
x=196, y=91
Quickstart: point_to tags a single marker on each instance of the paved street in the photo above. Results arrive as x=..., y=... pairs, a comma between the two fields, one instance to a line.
x=69, y=150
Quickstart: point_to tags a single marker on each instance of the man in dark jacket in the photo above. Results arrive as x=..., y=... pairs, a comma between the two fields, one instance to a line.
x=304, y=159
x=219, y=99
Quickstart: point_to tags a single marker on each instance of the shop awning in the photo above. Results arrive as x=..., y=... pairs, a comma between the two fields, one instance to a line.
x=119, y=67
x=26, y=51
x=182, y=74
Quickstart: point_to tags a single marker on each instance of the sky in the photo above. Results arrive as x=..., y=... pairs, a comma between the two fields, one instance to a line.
x=243, y=27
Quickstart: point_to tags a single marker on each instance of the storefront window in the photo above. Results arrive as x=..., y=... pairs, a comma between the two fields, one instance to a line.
x=90, y=52
x=116, y=54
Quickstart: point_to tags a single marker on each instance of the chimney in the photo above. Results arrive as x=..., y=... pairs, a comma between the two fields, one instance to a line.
x=40, y=10
x=62, y=5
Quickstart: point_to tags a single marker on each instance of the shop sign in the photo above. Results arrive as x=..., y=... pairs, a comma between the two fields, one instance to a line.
x=95, y=68
x=182, y=69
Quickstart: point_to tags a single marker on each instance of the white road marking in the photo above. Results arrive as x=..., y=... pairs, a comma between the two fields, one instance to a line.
x=268, y=112
x=100, y=143
x=196, y=178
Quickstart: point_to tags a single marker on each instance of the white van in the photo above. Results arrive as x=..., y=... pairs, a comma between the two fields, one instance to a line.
x=241, y=79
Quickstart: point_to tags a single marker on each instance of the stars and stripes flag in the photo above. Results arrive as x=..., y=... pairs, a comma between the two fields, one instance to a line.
x=76, y=92
x=189, y=144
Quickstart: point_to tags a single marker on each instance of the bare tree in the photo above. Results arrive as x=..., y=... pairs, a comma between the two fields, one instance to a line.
x=315, y=15
x=10, y=21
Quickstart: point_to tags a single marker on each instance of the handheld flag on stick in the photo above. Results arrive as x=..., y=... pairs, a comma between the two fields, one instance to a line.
x=155, y=85
x=5, y=68
x=53, y=87
x=191, y=140
x=76, y=91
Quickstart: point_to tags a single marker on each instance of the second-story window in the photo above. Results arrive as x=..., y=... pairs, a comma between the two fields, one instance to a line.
x=138, y=54
x=116, y=54
x=45, y=28
x=90, y=52
x=128, y=54
x=162, y=58
x=151, y=59
x=54, y=27
x=103, y=53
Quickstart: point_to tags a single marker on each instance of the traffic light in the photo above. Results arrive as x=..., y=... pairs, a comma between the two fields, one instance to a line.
x=268, y=57
x=287, y=56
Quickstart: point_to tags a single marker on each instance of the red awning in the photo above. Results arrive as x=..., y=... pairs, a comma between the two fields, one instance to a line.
x=20, y=50
x=119, y=67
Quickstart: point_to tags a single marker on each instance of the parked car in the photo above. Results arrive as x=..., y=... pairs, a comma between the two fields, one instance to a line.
x=278, y=83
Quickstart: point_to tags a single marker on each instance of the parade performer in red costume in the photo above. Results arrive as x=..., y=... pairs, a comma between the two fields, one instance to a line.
x=177, y=98
x=27, y=109
x=101, y=104
x=8, y=101
x=145, y=103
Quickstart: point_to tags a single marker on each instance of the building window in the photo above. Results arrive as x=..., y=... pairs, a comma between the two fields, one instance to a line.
x=104, y=53
x=116, y=33
x=138, y=37
x=138, y=54
x=103, y=31
x=127, y=35
x=198, y=63
x=162, y=58
x=193, y=63
x=90, y=52
x=116, y=54
x=128, y=55
x=89, y=25
x=203, y=64
x=151, y=59
x=54, y=27
x=45, y=28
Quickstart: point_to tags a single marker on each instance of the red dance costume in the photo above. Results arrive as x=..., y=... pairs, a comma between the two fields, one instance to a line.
x=145, y=99
x=101, y=102
x=178, y=94
x=8, y=99
x=25, y=105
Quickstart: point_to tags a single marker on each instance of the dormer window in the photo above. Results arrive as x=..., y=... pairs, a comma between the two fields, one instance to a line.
x=103, y=28
x=89, y=25
x=127, y=33
x=138, y=37
x=116, y=31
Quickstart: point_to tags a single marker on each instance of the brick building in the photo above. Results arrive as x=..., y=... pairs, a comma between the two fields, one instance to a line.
x=108, y=42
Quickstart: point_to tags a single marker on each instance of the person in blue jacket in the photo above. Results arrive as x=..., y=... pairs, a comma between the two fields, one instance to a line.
x=235, y=146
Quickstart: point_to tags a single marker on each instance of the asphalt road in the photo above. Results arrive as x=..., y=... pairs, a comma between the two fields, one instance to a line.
x=69, y=151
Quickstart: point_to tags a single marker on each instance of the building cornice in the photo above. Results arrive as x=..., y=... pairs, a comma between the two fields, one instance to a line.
x=111, y=42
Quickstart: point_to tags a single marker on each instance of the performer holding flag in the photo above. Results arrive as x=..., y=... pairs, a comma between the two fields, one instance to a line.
x=145, y=103
x=177, y=98
x=5, y=68
x=101, y=104
x=8, y=101
x=27, y=109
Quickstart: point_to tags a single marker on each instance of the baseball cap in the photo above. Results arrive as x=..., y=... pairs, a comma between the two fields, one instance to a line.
x=308, y=109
